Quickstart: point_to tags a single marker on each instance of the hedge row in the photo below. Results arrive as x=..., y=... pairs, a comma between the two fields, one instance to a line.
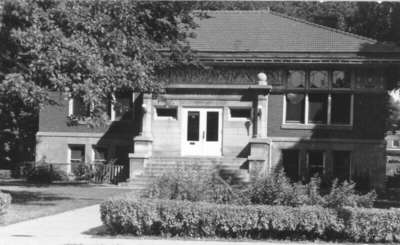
x=188, y=219
x=5, y=202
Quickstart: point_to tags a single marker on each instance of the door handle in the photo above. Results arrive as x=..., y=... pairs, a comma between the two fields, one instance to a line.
x=204, y=133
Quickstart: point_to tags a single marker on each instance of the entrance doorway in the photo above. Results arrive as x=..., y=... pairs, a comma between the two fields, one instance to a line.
x=201, y=131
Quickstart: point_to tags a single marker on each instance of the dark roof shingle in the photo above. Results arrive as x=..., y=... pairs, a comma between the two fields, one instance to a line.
x=265, y=31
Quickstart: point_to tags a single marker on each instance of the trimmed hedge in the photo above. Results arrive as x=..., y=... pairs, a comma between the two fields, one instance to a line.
x=371, y=224
x=183, y=218
x=5, y=202
x=200, y=219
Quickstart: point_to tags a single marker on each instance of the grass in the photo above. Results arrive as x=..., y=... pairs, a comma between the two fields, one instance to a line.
x=33, y=201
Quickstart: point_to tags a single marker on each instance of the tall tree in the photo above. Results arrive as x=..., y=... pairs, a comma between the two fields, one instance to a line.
x=88, y=48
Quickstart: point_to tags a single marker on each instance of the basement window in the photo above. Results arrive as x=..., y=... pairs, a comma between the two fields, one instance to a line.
x=240, y=113
x=167, y=113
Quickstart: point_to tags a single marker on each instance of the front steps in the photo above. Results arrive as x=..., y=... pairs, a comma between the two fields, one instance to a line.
x=234, y=170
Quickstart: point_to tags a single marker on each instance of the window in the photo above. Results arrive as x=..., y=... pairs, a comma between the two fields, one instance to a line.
x=193, y=126
x=296, y=79
x=317, y=108
x=121, y=109
x=240, y=113
x=321, y=102
x=396, y=143
x=166, y=113
x=315, y=163
x=290, y=162
x=341, y=105
x=341, y=80
x=78, y=108
x=77, y=153
x=318, y=79
x=99, y=154
x=341, y=165
x=295, y=108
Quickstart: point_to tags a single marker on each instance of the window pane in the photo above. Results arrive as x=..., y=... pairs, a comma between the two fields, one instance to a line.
x=319, y=79
x=193, y=126
x=341, y=107
x=341, y=165
x=341, y=79
x=315, y=163
x=290, y=161
x=240, y=113
x=100, y=153
x=318, y=106
x=77, y=153
x=167, y=112
x=296, y=79
x=212, y=126
x=123, y=106
x=295, y=108
x=80, y=109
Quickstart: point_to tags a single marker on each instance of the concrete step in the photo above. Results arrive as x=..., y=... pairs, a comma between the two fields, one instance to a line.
x=231, y=169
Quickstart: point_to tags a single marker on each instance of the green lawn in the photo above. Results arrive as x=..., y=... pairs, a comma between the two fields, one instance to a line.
x=32, y=201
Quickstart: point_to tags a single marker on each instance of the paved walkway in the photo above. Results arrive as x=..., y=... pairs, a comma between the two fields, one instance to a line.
x=79, y=227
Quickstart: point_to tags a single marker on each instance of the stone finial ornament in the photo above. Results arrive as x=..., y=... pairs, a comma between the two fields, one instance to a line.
x=262, y=78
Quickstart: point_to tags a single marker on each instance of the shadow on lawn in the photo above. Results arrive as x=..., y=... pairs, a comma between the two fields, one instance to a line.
x=37, y=197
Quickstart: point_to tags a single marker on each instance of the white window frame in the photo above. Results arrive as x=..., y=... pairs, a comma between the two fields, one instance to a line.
x=240, y=119
x=157, y=117
x=329, y=113
x=71, y=106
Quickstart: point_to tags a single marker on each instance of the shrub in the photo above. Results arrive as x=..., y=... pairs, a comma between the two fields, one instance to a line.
x=183, y=218
x=83, y=171
x=5, y=202
x=192, y=184
x=371, y=225
x=342, y=195
x=278, y=190
x=46, y=174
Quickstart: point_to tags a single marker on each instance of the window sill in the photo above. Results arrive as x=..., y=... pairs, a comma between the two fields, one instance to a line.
x=315, y=126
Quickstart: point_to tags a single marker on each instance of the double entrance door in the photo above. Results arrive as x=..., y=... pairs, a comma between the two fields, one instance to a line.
x=202, y=134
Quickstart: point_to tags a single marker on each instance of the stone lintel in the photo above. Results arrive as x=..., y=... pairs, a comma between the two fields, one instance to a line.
x=143, y=138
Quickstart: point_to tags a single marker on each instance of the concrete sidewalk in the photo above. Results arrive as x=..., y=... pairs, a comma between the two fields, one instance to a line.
x=80, y=226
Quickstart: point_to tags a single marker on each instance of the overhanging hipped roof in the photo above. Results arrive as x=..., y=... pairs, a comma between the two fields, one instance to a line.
x=269, y=37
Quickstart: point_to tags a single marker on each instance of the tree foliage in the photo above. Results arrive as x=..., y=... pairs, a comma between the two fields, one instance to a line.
x=85, y=48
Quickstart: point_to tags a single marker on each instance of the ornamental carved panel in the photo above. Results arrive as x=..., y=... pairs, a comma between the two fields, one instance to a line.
x=217, y=76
